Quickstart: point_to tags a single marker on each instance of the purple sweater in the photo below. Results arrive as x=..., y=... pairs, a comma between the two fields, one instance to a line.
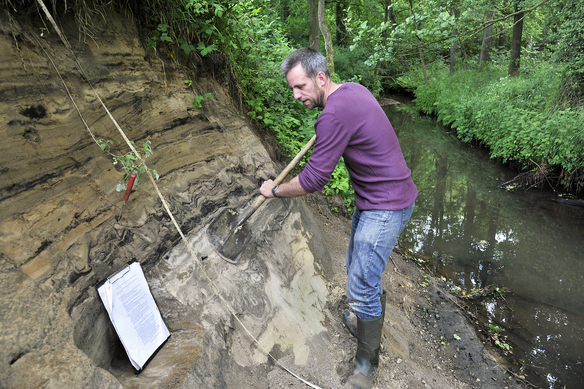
x=354, y=126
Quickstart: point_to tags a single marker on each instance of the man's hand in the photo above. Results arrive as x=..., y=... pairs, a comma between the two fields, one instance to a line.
x=266, y=189
x=291, y=188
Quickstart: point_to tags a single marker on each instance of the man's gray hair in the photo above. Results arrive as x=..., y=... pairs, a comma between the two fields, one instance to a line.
x=311, y=60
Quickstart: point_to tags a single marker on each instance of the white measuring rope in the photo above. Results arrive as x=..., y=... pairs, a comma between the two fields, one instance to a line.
x=164, y=203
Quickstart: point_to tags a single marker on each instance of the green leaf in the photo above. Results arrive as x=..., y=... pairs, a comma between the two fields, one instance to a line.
x=187, y=48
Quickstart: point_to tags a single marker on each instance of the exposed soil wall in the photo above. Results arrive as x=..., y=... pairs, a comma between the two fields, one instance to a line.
x=62, y=225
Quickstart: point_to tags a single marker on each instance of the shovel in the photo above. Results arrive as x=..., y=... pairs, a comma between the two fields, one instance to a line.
x=229, y=234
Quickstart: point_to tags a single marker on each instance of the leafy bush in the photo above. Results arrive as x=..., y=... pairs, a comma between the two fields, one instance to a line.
x=267, y=96
x=569, y=22
x=183, y=23
x=520, y=119
x=350, y=67
x=252, y=36
x=256, y=55
x=295, y=24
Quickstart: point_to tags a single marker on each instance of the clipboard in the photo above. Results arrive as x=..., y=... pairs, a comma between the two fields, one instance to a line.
x=134, y=314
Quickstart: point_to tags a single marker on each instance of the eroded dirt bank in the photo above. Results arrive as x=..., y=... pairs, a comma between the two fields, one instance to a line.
x=62, y=230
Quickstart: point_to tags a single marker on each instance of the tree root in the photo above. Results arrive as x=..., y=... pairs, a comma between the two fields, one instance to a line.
x=535, y=178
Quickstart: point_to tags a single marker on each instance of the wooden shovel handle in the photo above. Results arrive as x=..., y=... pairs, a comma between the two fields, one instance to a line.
x=260, y=199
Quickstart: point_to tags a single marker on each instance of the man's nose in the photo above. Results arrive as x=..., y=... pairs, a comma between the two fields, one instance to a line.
x=297, y=95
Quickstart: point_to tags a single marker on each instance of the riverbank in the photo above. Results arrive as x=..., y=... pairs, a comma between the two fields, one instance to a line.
x=428, y=341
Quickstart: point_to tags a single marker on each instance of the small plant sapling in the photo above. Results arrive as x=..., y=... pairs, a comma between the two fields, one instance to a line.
x=198, y=100
x=130, y=163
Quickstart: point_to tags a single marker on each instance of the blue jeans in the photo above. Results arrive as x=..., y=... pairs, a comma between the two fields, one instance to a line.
x=373, y=235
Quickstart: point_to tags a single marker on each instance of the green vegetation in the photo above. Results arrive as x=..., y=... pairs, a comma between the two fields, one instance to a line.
x=130, y=163
x=532, y=119
x=198, y=100
x=499, y=341
x=184, y=23
x=256, y=56
x=520, y=119
x=508, y=75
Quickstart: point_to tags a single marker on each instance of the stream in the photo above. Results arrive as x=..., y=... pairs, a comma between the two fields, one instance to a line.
x=474, y=235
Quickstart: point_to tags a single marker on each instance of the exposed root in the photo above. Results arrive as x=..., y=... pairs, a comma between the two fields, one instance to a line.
x=535, y=178
x=16, y=40
x=573, y=180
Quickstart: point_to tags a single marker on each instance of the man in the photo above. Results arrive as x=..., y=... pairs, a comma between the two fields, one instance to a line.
x=354, y=126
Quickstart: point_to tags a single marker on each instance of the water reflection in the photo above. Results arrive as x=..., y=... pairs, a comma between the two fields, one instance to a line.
x=478, y=235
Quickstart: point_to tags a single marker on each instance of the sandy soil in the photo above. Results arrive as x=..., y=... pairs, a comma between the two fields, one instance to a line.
x=428, y=340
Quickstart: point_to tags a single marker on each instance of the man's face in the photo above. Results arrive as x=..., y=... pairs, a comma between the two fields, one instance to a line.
x=310, y=92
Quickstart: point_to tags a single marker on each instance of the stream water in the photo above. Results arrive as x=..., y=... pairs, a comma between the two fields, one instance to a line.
x=476, y=235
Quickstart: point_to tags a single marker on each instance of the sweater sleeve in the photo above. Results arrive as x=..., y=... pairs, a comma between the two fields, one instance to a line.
x=331, y=140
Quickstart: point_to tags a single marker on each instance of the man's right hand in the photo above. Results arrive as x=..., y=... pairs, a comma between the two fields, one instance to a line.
x=266, y=189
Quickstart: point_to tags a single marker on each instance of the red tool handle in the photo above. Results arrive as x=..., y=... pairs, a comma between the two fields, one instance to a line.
x=129, y=188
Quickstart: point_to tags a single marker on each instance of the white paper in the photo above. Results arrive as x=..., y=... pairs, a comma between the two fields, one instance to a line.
x=134, y=314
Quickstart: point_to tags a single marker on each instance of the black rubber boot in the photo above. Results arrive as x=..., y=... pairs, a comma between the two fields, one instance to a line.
x=382, y=298
x=350, y=319
x=367, y=357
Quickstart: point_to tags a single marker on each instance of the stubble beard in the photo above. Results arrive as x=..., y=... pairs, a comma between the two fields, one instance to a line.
x=318, y=102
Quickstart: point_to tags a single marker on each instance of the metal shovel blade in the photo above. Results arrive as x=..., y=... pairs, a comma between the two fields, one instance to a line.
x=228, y=235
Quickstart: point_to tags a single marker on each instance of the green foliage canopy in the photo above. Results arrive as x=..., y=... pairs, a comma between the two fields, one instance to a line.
x=532, y=119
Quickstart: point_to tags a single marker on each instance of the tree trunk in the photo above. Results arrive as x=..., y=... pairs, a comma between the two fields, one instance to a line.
x=485, y=55
x=314, y=39
x=328, y=43
x=453, y=50
x=466, y=61
x=516, y=42
x=454, y=46
x=341, y=14
x=419, y=45
x=389, y=16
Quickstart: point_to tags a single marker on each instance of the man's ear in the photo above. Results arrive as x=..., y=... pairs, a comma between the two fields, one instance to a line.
x=321, y=79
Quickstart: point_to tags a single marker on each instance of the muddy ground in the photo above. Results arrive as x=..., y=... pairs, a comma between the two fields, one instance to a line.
x=428, y=338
